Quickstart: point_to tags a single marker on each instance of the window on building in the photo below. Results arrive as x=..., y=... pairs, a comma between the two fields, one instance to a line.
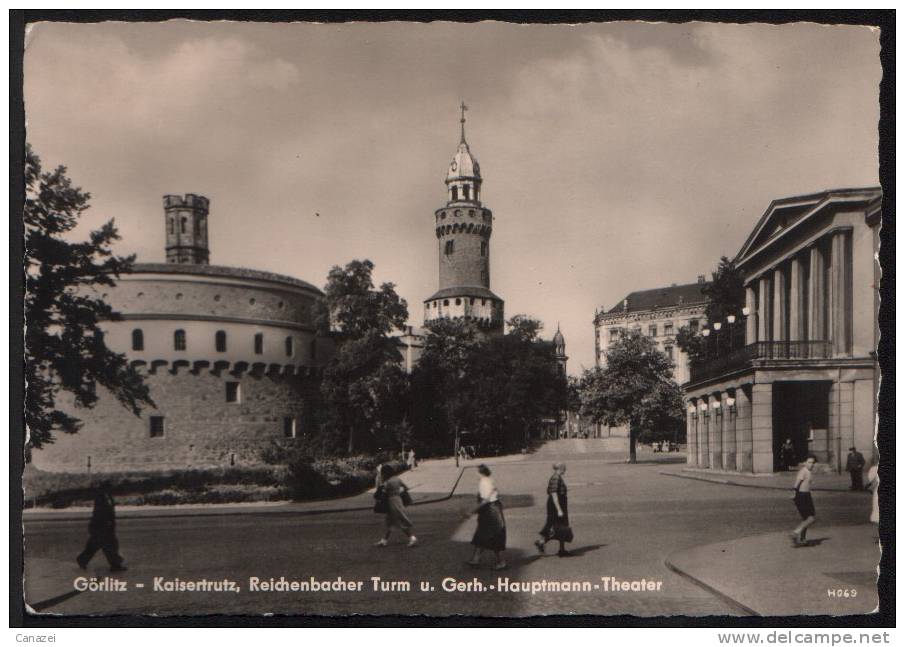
x=312, y=349
x=669, y=352
x=138, y=339
x=614, y=333
x=652, y=330
x=465, y=190
x=483, y=248
x=233, y=392
x=667, y=329
x=458, y=302
x=259, y=343
x=289, y=429
x=290, y=346
x=446, y=302
x=157, y=428
x=450, y=246
x=455, y=193
x=693, y=325
x=182, y=224
x=220, y=341
x=172, y=226
x=179, y=340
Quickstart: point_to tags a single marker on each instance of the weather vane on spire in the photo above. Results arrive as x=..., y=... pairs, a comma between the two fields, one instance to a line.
x=462, y=120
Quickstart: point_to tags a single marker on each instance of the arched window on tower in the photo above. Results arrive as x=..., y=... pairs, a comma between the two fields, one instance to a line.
x=465, y=190
x=483, y=248
x=220, y=341
x=289, y=346
x=172, y=225
x=450, y=247
x=179, y=340
x=138, y=339
x=455, y=193
x=259, y=343
x=182, y=225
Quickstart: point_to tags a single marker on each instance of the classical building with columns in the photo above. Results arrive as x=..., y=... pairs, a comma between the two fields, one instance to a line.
x=230, y=355
x=808, y=369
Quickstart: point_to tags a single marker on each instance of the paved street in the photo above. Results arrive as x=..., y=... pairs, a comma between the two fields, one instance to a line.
x=629, y=520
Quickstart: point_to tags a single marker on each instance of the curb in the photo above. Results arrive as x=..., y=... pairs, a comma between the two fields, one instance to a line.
x=732, y=602
x=209, y=512
x=737, y=484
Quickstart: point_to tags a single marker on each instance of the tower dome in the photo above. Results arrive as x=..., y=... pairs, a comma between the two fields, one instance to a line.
x=463, y=178
x=463, y=165
x=558, y=340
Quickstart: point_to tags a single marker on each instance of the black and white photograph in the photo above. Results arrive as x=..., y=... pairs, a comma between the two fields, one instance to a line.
x=291, y=349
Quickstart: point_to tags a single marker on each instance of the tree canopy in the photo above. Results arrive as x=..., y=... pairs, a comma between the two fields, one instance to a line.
x=365, y=389
x=725, y=296
x=635, y=387
x=64, y=343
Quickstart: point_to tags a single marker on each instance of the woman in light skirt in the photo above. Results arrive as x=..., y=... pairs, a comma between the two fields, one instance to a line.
x=393, y=489
x=491, y=531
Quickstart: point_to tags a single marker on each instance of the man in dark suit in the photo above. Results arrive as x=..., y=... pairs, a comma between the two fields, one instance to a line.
x=102, y=530
x=855, y=466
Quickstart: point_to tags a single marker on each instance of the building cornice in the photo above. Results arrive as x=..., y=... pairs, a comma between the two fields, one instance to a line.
x=690, y=309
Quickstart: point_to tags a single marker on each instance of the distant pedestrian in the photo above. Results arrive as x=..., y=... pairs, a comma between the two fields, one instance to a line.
x=873, y=483
x=491, y=531
x=854, y=464
x=787, y=455
x=803, y=501
x=394, y=491
x=412, y=463
x=557, y=525
x=102, y=531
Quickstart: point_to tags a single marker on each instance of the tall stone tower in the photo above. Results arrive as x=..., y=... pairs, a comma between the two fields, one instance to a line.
x=463, y=229
x=186, y=223
x=559, y=344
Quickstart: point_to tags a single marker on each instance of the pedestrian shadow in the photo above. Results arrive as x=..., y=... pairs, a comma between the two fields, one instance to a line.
x=573, y=552
x=814, y=542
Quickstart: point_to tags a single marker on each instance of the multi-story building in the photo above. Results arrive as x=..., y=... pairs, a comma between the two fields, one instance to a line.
x=658, y=313
x=808, y=369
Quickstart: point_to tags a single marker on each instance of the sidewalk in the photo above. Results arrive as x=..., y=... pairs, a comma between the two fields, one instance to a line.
x=766, y=575
x=826, y=481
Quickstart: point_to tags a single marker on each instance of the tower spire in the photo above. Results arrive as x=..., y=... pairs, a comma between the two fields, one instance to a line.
x=463, y=108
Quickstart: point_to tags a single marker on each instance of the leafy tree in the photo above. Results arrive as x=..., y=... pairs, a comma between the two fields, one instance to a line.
x=64, y=344
x=498, y=389
x=364, y=387
x=725, y=296
x=636, y=387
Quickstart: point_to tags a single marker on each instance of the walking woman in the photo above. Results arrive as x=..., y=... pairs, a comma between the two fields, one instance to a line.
x=394, y=490
x=557, y=526
x=491, y=531
x=804, y=502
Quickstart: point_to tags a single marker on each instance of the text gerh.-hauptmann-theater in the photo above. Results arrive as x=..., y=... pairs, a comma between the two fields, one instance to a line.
x=808, y=367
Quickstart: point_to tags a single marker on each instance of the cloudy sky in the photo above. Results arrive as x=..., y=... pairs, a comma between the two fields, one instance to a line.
x=616, y=157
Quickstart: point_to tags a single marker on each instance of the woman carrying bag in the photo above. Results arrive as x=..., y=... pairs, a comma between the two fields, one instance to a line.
x=394, y=495
x=557, y=526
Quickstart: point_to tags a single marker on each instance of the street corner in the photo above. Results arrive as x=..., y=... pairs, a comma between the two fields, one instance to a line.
x=834, y=574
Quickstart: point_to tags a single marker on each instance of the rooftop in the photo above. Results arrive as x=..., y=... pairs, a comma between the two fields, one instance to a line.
x=661, y=298
x=222, y=271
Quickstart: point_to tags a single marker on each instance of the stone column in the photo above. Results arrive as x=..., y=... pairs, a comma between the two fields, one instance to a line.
x=716, y=432
x=751, y=321
x=691, y=441
x=729, y=422
x=779, y=305
x=704, y=437
x=816, y=296
x=763, y=309
x=744, y=449
x=797, y=323
x=839, y=315
x=762, y=427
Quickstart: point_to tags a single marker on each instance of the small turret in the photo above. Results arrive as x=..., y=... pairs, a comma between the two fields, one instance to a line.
x=186, y=228
x=559, y=345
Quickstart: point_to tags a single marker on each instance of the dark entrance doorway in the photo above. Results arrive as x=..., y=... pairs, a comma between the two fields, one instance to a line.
x=798, y=408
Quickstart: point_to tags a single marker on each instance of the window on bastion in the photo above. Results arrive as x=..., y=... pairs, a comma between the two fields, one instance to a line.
x=233, y=392
x=138, y=339
x=290, y=347
x=220, y=341
x=259, y=343
x=156, y=428
x=179, y=340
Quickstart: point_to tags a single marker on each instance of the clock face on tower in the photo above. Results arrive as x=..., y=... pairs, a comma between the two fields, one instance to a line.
x=453, y=165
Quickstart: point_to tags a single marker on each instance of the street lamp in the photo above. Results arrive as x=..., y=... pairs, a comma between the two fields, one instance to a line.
x=706, y=333
x=716, y=338
x=731, y=320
